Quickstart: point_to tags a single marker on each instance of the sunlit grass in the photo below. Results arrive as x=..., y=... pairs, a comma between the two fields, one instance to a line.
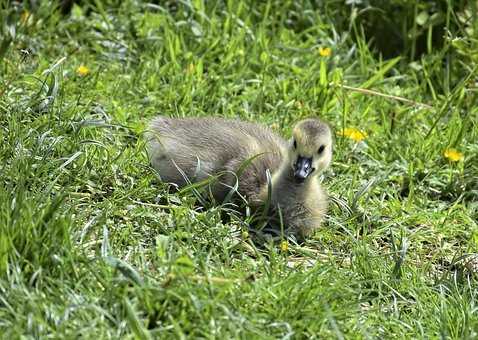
x=92, y=244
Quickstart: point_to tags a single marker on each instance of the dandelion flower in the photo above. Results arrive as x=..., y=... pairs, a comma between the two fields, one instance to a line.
x=82, y=71
x=325, y=51
x=354, y=134
x=453, y=155
x=284, y=246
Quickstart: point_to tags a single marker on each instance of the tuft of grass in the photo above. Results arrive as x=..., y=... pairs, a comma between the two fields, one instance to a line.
x=92, y=244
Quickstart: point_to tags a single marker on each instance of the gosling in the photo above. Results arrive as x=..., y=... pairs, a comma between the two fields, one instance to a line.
x=241, y=155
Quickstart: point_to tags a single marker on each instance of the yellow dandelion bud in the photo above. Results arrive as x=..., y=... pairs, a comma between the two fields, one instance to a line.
x=453, y=155
x=284, y=246
x=325, y=51
x=82, y=71
x=354, y=134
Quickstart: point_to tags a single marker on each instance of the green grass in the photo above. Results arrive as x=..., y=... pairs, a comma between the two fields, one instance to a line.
x=92, y=244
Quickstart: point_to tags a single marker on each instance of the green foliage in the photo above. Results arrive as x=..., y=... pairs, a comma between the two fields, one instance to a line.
x=93, y=245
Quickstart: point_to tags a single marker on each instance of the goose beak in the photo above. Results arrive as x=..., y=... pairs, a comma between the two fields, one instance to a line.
x=302, y=168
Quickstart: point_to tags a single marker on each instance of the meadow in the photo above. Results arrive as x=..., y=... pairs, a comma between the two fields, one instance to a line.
x=92, y=244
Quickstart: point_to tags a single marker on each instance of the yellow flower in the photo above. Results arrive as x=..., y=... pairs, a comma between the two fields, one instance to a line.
x=284, y=246
x=82, y=71
x=453, y=155
x=354, y=134
x=325, y=51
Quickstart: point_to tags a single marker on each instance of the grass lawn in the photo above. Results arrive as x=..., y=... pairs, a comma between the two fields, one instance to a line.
x=93, y=245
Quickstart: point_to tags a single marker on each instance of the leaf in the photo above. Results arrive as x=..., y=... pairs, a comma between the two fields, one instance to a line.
x=76, y=12
x=269, y=195
x=196, y=29
x=124, y=268
x=422, y=18
x=183, y=264
x=105, y=244
x=323, y=74
x=71, y=159
x=364, y=189
x=380, y=73
x=162, y=243
x=52, y=208
x=184, y=261
x=134, y=322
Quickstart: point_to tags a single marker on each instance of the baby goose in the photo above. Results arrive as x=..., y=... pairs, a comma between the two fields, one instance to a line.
x=193, y=149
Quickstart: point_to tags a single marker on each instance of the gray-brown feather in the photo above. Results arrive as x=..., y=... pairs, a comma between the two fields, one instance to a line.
x=201, y=147
x=302, y=206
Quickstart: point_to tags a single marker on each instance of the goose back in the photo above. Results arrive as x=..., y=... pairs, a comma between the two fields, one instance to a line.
x=201, y=147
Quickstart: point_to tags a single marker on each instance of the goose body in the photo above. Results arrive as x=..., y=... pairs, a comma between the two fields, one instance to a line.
x=236, y=152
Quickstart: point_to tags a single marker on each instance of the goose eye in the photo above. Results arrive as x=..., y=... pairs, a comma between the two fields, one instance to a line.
x=295, y=144
x=321, y=149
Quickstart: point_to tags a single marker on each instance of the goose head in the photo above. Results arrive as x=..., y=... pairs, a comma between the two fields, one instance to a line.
x=310, y=149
